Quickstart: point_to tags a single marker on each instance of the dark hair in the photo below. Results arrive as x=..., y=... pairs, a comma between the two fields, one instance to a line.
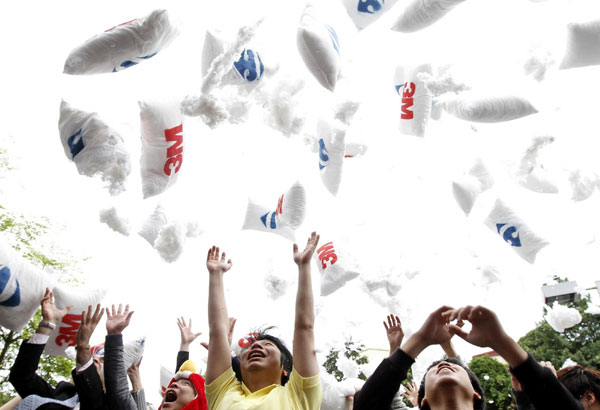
x=478, y=404
x=286, y=360
x=578, y=379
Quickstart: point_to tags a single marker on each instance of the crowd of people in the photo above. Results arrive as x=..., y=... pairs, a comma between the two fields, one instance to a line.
x=266, y=375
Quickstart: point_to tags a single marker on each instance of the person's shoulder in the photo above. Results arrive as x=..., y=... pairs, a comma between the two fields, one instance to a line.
x=226, y=380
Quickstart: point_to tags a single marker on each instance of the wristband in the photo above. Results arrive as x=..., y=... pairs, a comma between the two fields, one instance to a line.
x=49, y=325
x=81, y=347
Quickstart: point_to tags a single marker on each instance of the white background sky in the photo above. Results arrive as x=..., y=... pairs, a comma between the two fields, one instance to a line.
x=394, y=212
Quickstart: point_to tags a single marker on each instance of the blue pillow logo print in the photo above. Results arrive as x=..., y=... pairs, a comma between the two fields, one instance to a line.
x=128, y=63
x=370, y=6
x=398, y=87
x=334, y=38
x=510, y=235
x=15, y=298
x=323, y=154
x=272, y=221
x=250, y=66
x=75, y=143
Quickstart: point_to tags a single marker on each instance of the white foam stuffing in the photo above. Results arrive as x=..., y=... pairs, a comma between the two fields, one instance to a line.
x=441, y=83
x=95, y=148
x=562, y=317
x=583, y=184
x=348, y=367
x=170, y=240
x=115, y=222
x=275, y=285
x=538, y=63
x=568, y=363
x=280, y=103
x=153, y=224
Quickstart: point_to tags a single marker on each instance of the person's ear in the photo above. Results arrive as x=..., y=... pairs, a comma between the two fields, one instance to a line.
x=423, y=402
x=284, y=372
x=589, y=397
x=476, y=396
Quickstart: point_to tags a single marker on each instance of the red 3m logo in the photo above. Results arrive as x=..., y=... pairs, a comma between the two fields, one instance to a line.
x=327, y=254
x=175, y=151
x=66, y=334
x=279, y=209
x=407, y=101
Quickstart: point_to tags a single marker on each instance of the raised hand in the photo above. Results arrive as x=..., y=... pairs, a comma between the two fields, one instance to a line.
x=50, y=312
x=118, y=320
x=412, y=394
x=394, y=331
x=303, y=258
x=486, y=330
x=433, y=331
x=214, y=264
x=187, y=335
x=88, y=324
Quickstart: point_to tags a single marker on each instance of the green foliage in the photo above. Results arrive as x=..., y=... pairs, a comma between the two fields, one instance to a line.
x=352, y=351
x=495, y=381
x=581, y=343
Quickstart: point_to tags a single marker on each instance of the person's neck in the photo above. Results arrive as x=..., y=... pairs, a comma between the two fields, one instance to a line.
x=452, y=405
x=450, y=399
x=258, y=380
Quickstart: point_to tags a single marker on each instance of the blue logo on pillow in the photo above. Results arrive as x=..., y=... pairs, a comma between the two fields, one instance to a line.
x=75, y=143
x=323, y=154
x=334, y=38
x=128, y=63
x=272, y=221
x=510, y=235
x=250, y=66
x=370, y=6
x=15, y=298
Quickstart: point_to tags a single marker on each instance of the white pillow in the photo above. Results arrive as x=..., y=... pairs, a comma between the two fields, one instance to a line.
x=332, y=147
x=583, y=45
x=95, y=148
x=467, y=188
x=514, y=231
x=22, y=287
x=365, y=12
x=418, y=14
x=319, y=47
x=291, y=207
x=249, y=68
x=133, y=350
x=470, y=107
x=64, y=334
x=162, y=145
x=123, y=46
x=261, y=218
x=415, y=99
x=336, y=267
x=165, y=378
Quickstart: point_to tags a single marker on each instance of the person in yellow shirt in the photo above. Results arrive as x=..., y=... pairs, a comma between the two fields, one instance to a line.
x=266, y=364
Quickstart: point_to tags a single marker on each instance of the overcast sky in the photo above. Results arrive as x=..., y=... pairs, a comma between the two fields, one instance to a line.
x=394, y=213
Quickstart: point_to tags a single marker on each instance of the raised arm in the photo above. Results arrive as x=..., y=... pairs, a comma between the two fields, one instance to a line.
x=539, y=383
x=82, y=339
x=305, y=357
x=395, y=334
x=219, y=358
x=115, y=373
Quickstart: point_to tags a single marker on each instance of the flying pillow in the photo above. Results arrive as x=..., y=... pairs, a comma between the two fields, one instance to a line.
x=287, y=217
x=419, y=14
x=514, y=231
x=332, y=148
x=249, y=68
x=365, y=12
x=583, y=45
x=470, y=107
x=22, y=287
x=94, y=147
x=162, y=145
x=64, y=335
x=336, y=267
x=319, y=47
x=467, y=187
x=415, y=99
x=123, y=46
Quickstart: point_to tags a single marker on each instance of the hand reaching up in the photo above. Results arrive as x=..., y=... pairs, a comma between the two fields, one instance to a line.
x=214, y=264
x=50, y=312
x=394, y=331
x=186, y=333
x=118, y=320
x=303, y=258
